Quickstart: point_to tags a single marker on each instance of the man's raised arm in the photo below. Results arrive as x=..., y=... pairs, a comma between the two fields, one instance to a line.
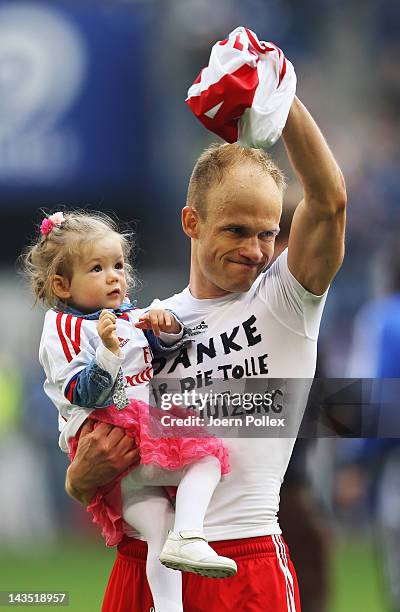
x=316, y=241
x=102, y=454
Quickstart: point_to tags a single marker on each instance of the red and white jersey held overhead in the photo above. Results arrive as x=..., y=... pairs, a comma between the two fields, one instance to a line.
x=245, y=93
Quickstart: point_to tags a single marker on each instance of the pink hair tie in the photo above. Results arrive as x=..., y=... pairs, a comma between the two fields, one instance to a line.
x=49, y=222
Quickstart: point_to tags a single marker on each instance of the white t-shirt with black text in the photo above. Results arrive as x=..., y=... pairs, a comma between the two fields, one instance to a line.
x=270, y=331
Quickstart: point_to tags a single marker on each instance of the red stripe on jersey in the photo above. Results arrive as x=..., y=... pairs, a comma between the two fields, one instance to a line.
x=283, y=71
x=68, y=323
x=68, y=330
x=236, y=91
x=62, y=338
x=77, y=342
x=124, y=315
x=260, y=46
x=238, y=45
x=70, y=393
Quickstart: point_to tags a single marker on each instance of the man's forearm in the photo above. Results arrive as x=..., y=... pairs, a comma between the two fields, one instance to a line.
x=103, y=452
x=80, y=493
x=312, y=159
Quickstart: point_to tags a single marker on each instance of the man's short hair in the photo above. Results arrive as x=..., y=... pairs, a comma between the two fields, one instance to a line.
x=213, y=164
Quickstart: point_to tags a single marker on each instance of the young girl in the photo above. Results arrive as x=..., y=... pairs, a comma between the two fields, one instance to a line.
x=96, y=356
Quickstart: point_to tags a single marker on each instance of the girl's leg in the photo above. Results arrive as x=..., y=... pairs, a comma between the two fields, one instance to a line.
x=194, y=493
x=196, y=485
x=186, y=548
x=149, y=511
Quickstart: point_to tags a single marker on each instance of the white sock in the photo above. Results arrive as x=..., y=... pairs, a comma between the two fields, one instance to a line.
x=194, y=493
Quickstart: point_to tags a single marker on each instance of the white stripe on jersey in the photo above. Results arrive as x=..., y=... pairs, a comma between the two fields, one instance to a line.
x=65, y=337
x=291, y=606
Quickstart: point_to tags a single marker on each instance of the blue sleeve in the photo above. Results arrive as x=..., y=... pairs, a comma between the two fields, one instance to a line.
x=92, y=387
x=361, y=450
x=388, y=367
x=389, y=350
x=159, y=349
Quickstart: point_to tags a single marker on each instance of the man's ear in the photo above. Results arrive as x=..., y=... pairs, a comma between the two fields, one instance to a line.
x=60, y=286
x=190, y=221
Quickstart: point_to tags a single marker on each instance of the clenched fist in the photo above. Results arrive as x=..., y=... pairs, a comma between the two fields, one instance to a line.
x=107, y=330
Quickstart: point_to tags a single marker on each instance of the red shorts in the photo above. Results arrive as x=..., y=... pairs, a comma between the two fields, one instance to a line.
x=265, y=582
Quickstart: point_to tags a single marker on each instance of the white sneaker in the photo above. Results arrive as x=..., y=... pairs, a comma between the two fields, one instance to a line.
x=189, y=551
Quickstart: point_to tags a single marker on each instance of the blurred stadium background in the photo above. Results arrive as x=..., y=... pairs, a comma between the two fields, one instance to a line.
x=92, y=114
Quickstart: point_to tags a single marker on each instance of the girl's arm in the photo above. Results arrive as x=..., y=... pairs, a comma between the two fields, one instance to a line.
x=164, y=331
x=93, y=386
x=74, y=368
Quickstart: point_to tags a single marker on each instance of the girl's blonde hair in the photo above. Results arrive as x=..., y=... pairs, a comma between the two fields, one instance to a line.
x=55, y=252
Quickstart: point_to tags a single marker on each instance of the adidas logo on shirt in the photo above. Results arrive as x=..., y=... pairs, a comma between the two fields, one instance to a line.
x=122, y=341
x=198, y=329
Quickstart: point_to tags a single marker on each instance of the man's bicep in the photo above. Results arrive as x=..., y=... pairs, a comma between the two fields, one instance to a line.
x=288, y=301
x=316, y=247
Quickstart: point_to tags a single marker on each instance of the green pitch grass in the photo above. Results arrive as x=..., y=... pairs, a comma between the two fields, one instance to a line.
x=83, y=569
x=358, y=584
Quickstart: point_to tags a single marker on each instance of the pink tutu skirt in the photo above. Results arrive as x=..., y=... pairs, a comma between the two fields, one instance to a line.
x=171, y=453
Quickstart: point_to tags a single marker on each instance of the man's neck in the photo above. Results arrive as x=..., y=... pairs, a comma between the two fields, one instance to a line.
x=203, y=289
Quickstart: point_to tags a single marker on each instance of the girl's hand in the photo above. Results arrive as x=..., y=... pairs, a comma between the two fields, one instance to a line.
x=159, y=321
x=107, y=330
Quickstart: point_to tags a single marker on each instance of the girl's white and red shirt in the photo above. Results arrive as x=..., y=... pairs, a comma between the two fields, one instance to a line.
x=70, y=343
